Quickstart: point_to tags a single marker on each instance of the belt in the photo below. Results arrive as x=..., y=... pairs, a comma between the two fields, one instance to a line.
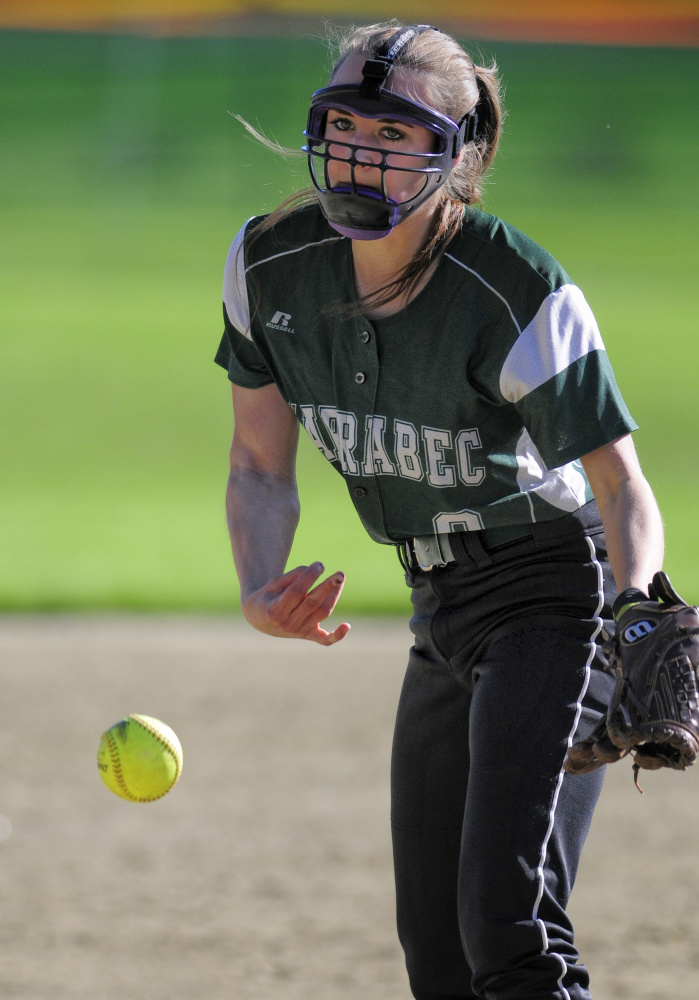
x=437, y=550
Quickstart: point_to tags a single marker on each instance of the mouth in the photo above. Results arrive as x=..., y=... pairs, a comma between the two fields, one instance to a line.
x=361, y=189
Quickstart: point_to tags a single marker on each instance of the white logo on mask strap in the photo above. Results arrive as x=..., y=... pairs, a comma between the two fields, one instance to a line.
x=280, y=321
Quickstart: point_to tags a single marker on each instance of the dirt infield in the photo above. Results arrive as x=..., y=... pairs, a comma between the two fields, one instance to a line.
x=266, y=873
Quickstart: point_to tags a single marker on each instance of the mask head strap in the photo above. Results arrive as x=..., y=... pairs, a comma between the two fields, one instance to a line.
x=468, y=130
x=376, y=71
x=469, y=124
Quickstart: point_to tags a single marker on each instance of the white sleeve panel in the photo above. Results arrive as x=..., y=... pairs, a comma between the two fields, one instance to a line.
x=563, y=487
x=235, y=289
x=562, y=332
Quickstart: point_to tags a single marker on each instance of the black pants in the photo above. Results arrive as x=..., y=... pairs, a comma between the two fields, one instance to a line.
x=487, y=827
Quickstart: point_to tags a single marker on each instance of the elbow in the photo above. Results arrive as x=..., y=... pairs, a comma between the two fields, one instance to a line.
x=254, y=489
x=614, y=473
x=255, y=479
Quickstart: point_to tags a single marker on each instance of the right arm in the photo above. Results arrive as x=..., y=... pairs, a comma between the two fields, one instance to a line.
x=263, y=511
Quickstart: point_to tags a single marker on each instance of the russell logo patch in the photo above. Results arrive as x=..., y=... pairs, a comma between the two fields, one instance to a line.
x=280, y=321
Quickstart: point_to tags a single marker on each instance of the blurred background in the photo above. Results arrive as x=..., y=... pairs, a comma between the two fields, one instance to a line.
x=124, y=178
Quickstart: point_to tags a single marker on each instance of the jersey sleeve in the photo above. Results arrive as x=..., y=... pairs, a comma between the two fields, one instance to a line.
x=237, y=352
x=558, y=376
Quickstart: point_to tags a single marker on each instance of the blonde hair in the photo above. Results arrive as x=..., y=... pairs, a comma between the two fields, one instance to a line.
x=449, y=81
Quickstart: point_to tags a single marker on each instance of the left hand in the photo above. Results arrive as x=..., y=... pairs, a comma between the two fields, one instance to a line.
x=654, y=710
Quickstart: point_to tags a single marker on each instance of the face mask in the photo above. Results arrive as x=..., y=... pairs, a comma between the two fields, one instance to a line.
x=364, y=213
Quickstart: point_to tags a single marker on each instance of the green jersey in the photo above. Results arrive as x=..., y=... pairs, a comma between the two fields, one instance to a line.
x=470, y=408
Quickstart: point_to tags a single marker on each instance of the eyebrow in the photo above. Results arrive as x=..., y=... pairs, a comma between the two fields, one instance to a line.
x=382, y=121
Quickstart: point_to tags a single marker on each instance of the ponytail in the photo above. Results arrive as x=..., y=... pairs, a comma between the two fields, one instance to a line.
x=466, y=181
x=489, y=112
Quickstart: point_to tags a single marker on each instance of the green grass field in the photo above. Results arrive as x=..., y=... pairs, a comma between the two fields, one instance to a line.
x=124, y=180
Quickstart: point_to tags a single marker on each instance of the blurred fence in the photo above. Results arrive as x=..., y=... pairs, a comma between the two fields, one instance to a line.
x=640, y=22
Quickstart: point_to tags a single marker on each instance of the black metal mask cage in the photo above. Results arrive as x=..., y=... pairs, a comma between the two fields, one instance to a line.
x=366, y=212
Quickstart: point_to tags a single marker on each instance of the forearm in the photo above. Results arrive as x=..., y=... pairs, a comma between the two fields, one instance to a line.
x=634, y=533
x=262, y=511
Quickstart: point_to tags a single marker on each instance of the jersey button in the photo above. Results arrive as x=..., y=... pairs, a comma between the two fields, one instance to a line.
x=365, y=336
x=359, y=378
x=359, y=492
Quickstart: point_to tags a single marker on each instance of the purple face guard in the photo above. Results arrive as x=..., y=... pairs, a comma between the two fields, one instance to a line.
x=357, y=211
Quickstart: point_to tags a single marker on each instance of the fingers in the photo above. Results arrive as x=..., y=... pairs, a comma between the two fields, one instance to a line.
x=287, y=607
x=320, y=602
x=315, y=607
x=282, y=583
x=292, y=588
x=297, y=595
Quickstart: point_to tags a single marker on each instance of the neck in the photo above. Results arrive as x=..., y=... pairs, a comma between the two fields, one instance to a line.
x=377, y=262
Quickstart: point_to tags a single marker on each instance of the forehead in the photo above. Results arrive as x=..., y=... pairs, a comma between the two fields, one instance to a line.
x=401, y=81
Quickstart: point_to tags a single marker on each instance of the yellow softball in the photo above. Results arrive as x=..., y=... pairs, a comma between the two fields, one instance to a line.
x=139, y=758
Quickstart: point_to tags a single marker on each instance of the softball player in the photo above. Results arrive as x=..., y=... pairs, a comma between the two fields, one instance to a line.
x=454, y=375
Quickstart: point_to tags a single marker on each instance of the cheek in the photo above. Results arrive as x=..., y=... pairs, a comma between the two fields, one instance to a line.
x=404, y=184
x=402, y=187
x=335, y=172
x=338, y=152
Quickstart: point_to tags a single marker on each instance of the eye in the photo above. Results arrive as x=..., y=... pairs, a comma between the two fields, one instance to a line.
x=392, y=134
x=341, y=124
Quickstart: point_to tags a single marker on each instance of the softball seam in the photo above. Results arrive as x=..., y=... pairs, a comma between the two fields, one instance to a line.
x=116, y=762
x=116, y=766
x=168, y=744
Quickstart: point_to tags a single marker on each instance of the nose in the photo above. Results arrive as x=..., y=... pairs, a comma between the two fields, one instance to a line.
x=367, y=157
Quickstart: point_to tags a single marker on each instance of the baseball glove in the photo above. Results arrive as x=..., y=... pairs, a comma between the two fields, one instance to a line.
x=654, y=710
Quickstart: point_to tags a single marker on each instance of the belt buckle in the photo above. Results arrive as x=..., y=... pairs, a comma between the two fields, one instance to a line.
x=432, y=550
